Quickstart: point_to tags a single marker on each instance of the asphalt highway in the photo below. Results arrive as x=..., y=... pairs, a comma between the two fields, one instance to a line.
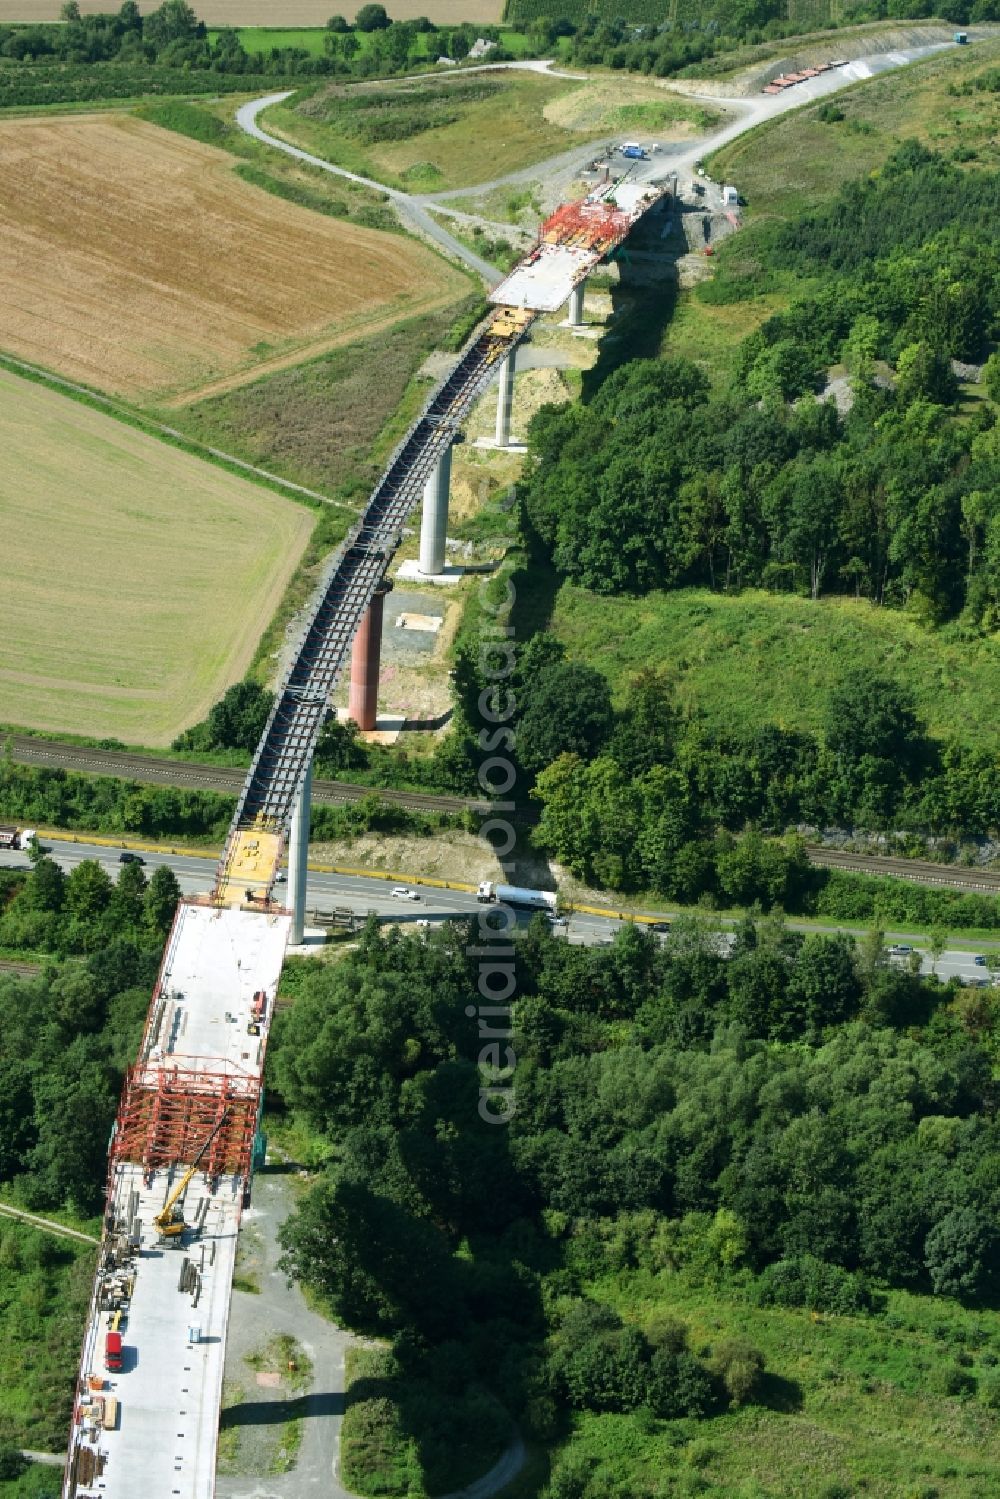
x=362, y=894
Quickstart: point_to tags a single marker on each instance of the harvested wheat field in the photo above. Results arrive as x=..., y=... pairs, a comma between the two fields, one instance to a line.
x=136, y=261
x=136, y=579
x=270, y=13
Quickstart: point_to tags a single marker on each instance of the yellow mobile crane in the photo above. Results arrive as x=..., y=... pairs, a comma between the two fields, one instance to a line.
x=169, y=1221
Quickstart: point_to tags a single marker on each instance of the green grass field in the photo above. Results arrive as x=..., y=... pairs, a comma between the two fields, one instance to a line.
x=747, y=659
x=494, y=126
x=464, y=130
x=258, y=39
x=137, y=579
x=328, y=423
x=856, y=1405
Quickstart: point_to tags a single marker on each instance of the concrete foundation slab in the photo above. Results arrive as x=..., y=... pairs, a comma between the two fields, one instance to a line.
x=427, y=623
x=489, y=444
x=388, y=727
x=313, y=937
x=410, y=572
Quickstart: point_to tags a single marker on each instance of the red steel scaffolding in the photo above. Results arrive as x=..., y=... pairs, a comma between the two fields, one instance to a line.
x=590, y=224
x=166, y=1115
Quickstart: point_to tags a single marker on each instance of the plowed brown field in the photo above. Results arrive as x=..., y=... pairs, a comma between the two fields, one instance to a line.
x=135, y=260
x=269, y=13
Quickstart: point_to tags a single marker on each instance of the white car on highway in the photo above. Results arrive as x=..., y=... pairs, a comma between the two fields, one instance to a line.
x=403, y=892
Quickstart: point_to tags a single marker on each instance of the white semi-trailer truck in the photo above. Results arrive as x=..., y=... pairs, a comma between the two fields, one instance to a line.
x=16, y=837
x=515, y=895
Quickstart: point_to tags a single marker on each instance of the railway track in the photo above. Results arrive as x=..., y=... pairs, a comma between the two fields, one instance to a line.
x=22, y=970
x=920, y=870
x=228, y=781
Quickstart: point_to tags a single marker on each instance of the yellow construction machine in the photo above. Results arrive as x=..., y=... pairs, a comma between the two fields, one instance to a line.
x=169, y=1221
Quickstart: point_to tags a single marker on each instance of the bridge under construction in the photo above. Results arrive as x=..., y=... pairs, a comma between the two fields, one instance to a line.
x=183, y=1149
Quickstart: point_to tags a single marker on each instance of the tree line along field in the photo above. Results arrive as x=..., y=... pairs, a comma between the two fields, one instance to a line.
x=262, y=12
x=137, y=579
x=260, y=39
x=137, y=261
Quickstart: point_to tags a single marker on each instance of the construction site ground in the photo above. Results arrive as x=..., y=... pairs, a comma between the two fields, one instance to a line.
x=415, y=682
x=509, y=118
x=260, y=1409
x=450, y=855
x=415, y=660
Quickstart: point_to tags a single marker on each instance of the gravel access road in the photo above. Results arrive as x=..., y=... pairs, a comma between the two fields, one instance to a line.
x=411, y=209
x=280, y=1308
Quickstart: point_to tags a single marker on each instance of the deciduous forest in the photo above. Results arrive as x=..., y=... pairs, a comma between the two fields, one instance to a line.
x=795, y=1128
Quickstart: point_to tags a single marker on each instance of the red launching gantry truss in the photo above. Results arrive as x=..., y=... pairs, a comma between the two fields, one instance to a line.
x=166, y=1114
x=591, y=224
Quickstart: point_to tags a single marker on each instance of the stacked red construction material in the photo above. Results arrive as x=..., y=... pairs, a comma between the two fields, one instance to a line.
x=589, y=223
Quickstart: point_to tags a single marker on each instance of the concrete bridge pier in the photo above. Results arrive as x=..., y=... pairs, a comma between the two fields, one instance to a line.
x=434, y=519
x=576, y=304
x=505, y=399
x=366, y=660
x=298, y=859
